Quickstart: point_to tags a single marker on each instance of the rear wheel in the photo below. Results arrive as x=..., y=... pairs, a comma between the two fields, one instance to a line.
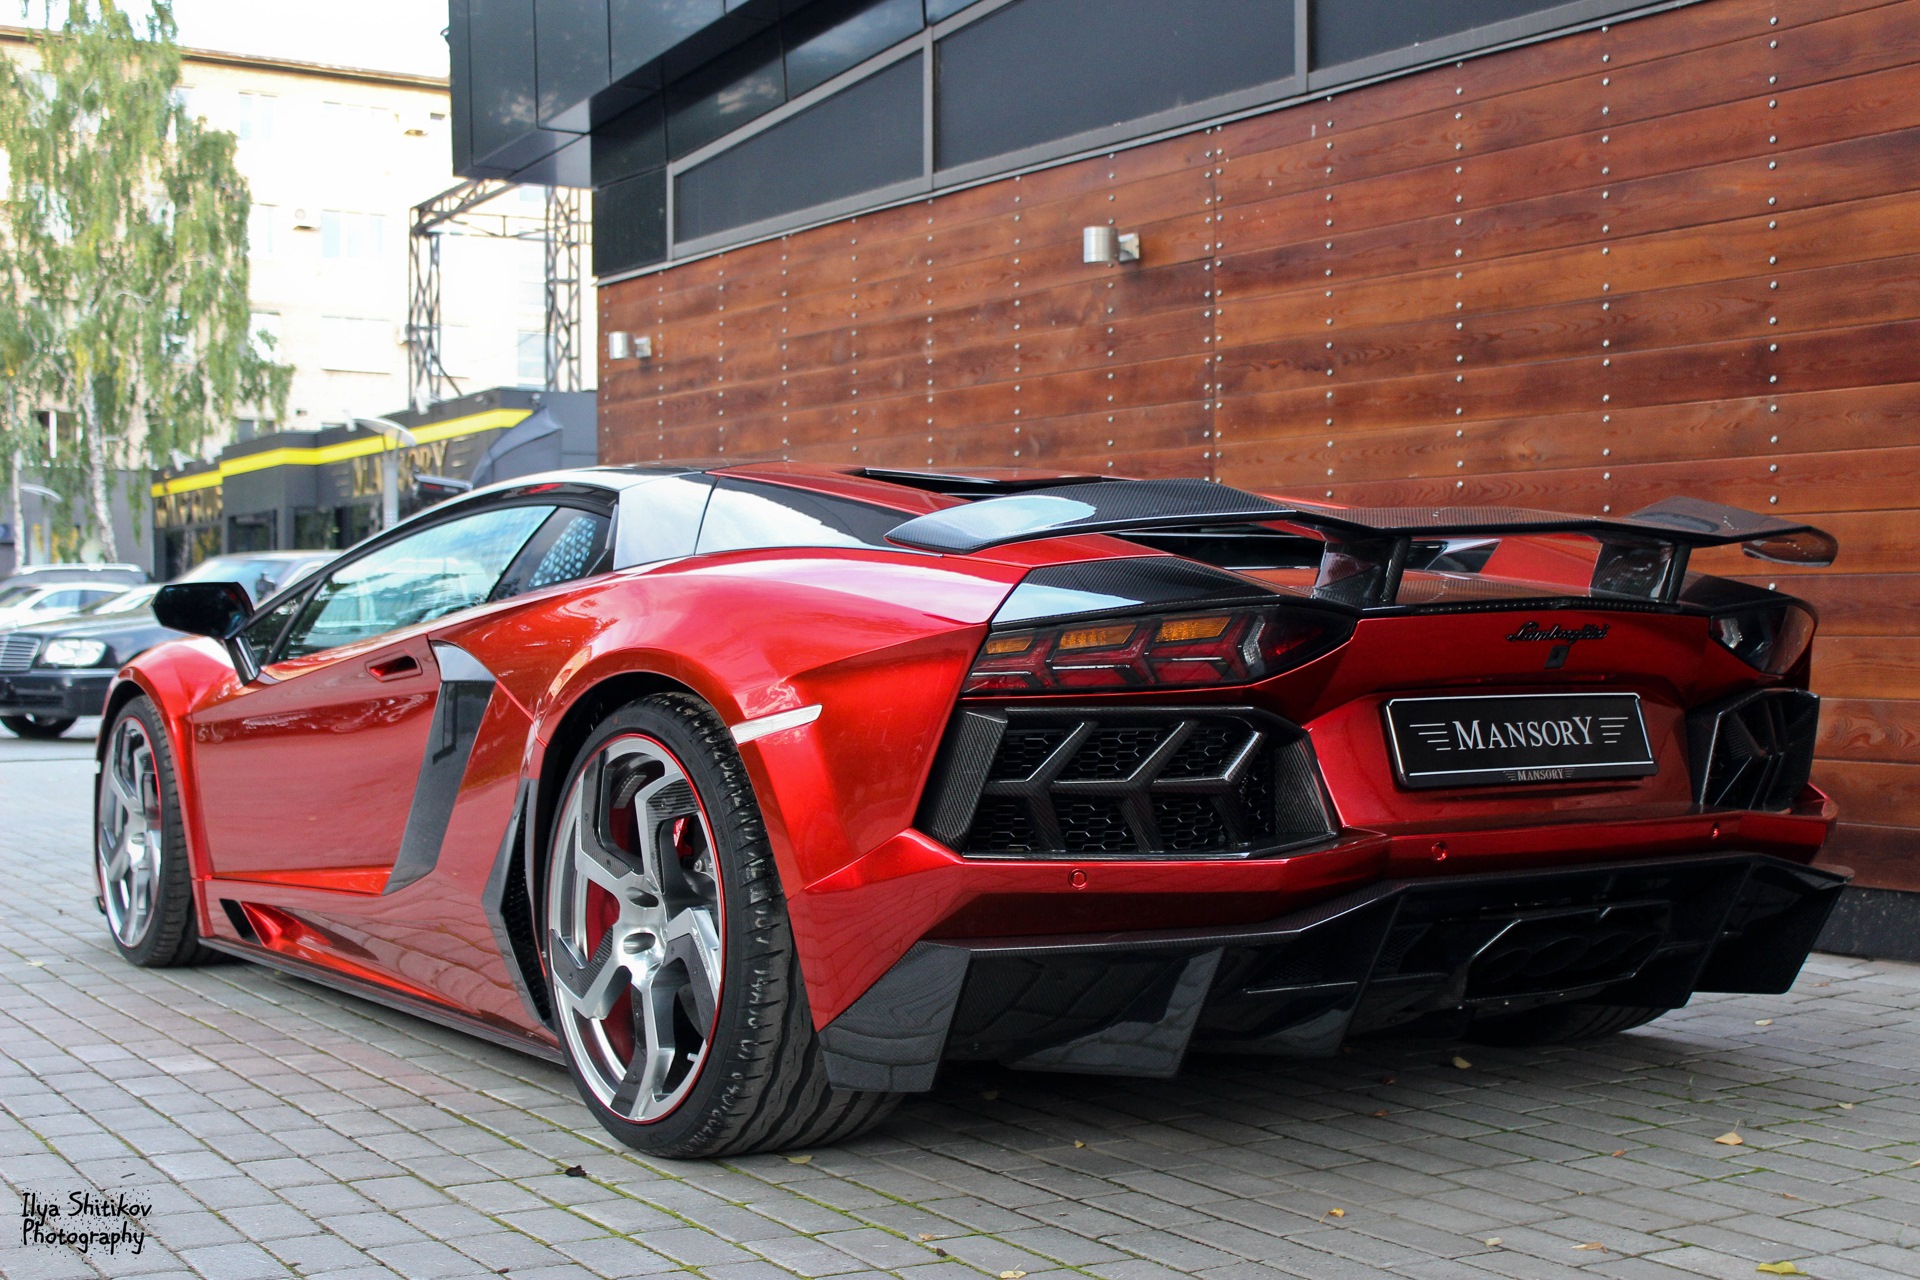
x=1561, y=1024
x=140, y=849
x=36, y=726
x=675, y=985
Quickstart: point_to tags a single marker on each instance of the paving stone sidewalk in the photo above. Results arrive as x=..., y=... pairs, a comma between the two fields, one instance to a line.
x=279, y=1129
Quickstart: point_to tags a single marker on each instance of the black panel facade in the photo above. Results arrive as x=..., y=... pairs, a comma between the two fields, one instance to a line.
x=640, y=31
x=570, y=60
x=631, y=142
x=504, y=85
x=630, y=223
x=834, y=36
x=725, y=94
x=861, y=139
x=1348, y=30
x=1041, y=70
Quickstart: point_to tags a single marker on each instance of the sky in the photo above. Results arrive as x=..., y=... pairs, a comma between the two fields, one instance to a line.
x=384, y=35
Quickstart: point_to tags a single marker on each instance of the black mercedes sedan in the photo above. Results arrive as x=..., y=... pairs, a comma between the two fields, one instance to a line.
x=56, y=671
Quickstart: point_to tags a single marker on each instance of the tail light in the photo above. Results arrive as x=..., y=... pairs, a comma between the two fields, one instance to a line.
x=1771, y=638
x=1178, y=650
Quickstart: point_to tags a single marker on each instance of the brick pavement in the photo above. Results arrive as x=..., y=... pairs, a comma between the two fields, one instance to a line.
x=280, y=1129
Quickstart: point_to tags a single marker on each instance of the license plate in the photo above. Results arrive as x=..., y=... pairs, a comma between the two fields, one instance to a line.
x=1532, y=737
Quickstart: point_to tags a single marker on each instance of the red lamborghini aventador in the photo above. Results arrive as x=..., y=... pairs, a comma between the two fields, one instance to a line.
x=755, y=793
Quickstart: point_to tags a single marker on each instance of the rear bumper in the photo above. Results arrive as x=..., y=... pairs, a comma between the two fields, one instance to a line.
x=1427, y=954
x=54, y=693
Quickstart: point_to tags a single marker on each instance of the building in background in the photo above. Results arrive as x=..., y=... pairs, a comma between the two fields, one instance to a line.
x=1572, y=253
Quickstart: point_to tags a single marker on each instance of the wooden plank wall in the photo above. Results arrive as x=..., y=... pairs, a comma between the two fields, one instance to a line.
x=1676, y=255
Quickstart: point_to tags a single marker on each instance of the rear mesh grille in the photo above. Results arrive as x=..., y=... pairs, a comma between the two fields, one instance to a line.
x=17, y=653
x=1077, y=782
x=1754, y=751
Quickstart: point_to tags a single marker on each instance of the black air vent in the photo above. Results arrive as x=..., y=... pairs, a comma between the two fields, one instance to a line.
x=1754, y=751
x=1083, y=783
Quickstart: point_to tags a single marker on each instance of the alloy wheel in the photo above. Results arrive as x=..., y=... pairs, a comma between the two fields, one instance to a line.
x=127, y=846
x=635, y=924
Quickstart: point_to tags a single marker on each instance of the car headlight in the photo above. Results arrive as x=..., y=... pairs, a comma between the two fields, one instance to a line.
x=73, y=653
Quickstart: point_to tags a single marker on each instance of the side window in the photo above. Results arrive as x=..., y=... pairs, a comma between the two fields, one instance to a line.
x=59, y=601
x=571, y=544
x=742, y=516
x=436, y=571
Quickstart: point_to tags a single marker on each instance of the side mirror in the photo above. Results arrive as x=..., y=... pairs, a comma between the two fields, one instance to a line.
x=216, y=609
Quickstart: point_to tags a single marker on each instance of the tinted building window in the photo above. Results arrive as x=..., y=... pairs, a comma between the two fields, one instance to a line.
x=630, y=223
x=1345, y=30
x=941, y=10
x=1042, y=70
x=827, y=39
x=725, y=94
x=863, y=138
x=742, y=516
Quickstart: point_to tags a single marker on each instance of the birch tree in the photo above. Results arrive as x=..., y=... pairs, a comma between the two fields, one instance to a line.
x=126, y=222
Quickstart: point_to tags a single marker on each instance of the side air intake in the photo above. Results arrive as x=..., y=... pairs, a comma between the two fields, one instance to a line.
x=1079, y=782
x=1754, y=751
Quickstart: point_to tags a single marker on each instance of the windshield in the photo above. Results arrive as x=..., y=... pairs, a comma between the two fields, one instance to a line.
x=126, y=602
x=14, y=594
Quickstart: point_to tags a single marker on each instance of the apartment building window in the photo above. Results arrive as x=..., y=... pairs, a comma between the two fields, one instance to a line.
x=530, y=358
x=351, y=124
x=352, y=237
x=258, y=117
x=263, y=230
x=353, y=344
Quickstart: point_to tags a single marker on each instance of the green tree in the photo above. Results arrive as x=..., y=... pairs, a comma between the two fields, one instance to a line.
x=125, y=223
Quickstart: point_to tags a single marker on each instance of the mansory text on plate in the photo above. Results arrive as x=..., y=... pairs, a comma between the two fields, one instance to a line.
x=755, y=793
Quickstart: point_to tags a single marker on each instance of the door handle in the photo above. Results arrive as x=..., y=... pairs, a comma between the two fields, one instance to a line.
x=397, y=667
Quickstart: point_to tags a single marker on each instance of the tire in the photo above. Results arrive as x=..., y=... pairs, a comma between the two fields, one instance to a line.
x=38, y=727
x=1561, y=1024
x=140, y=849
x=715, y=985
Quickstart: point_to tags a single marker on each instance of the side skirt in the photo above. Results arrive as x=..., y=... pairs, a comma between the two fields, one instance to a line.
x=391, y=999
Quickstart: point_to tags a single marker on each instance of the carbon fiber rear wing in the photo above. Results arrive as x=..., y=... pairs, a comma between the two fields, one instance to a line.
x=1643, y=555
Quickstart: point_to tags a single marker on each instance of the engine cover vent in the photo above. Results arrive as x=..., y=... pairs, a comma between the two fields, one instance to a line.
x=1079, y=782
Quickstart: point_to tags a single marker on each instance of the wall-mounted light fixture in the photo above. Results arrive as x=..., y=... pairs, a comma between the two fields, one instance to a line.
x=629, y=346
x=1106, y=246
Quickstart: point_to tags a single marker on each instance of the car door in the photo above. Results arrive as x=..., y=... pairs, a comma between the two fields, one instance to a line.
x=307, y=775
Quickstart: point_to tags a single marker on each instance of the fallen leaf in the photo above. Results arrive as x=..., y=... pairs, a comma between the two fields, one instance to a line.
x=1078, y=1143
x=799, y=1159
x=575, y=1171
x=925, y=1236
x=1764, y=1022
x=1620, y=1152
x=1592, y=1244
x=1846, y=1106
x=38, y=964
x=990, y=1095
x=1493, y=1242
x=1731, y=1140
x=1780, y=1269
x=1823, y=984
x=1461, y=1062
x=1337, y=1213
x=1379, y=1115
x=1013, y=1275
x=940, y=1253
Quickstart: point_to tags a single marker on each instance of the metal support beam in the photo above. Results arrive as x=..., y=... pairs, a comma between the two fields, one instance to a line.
x=564, y=226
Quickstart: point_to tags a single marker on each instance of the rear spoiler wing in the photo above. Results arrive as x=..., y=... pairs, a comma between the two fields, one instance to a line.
x=1644, y=555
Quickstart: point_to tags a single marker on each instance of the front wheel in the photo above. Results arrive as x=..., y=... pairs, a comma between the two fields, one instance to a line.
x=37, y=727
x=677, y=993
x=140, y=848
